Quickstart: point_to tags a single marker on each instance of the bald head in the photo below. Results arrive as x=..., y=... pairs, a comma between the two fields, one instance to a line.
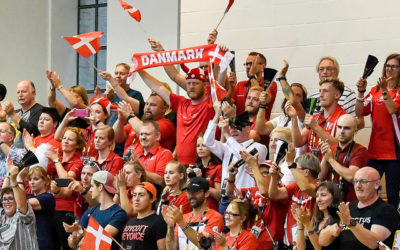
x=26, y=94
x=346, y=129
x=367, y=192
x=369, y=172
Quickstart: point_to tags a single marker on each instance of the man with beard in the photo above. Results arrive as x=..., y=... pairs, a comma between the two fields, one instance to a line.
x=342, y=162
x=154, y=110
x=192, y=114
x=193, y=226
x=150, y=154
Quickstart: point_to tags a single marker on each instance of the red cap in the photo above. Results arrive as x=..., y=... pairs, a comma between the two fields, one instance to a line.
x=196, y=73
x=105, y=103
x=149, y=187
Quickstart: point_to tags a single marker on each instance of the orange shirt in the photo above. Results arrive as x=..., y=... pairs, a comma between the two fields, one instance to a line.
x=245, y=240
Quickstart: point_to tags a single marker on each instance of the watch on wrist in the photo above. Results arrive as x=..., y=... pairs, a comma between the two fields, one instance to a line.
x=130, y=116
x=1, y=143
x=252, y=77
x=352, y=223
x=281, y=78
x=293, y=165
x=56, y=161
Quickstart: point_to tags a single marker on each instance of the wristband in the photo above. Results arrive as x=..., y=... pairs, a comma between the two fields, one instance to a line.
x=60, y=87
x=185, y=227
x=281, y=78
x=85, y=192
x=52, y=88
x=262, y=106
x=56, y=161
x=252, y=77
x=363, y=91
x=1, y=143
x=132, y=115
x=360, y=99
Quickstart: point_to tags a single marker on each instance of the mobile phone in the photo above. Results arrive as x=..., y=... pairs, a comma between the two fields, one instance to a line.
x=241, y=162
x=62, y=182
x=232, y=63
x=81, y=113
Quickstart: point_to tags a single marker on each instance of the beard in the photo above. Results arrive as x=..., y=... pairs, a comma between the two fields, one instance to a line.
x=147, y=116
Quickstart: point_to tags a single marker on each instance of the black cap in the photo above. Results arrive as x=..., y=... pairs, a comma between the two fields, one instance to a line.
x=198, y=183
x=3, y=92
x=240, y=121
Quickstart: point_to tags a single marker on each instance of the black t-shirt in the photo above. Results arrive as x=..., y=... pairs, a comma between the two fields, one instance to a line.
x=379, y=213
x=144, y=233
x=45, y=223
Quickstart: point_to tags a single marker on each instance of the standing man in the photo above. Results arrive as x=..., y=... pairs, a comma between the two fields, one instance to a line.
x=367, y=220
x=28, y=116
x=192, y=114
x=193, y=226
x=340, y=164
x=327, y=67
x=255, y=76
x=321, y=126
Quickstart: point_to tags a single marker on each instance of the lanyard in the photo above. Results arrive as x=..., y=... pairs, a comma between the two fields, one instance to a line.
x=231, y=157
x=346, y=159
x=197, y=228
x=237, y=236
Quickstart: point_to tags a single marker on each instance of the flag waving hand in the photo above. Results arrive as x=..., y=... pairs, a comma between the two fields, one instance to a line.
x=96, y=238
x=134, y=13
x=229, y=6
x=86, y=44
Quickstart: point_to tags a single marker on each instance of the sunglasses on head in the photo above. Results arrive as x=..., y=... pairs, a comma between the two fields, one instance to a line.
x=92, y=164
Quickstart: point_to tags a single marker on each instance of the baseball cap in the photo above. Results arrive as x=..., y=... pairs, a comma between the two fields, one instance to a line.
x=197, y=184
x=107, y=179
x=149, y=187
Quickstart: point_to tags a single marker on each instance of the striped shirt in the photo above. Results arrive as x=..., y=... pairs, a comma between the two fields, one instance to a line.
x=19, y=231
x=347, y=101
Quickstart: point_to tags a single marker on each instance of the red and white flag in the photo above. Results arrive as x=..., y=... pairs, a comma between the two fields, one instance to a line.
x=134, y=13
x=229, y=6
x=221, y=58
x=86, y=44
x=201, y=53
x=217, y=91
x=96, y=238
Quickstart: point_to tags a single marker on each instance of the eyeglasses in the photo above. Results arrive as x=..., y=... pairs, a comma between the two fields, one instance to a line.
x=249, y=64
x=362, y=182
x=3, y=131
x=321, y=69
x=7, y=200
x=92, y=164
x=392, y=67
x=230, y=214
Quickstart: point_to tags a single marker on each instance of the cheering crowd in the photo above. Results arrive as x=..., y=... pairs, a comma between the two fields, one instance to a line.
x=171, y=172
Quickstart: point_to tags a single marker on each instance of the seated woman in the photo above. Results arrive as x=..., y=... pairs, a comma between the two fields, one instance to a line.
x=236, y=216
x=326, y=205
x=175, y=181
x=153, y=237
x=211, y=165
x=76, y=97
x=104, y=145
x=131, y=175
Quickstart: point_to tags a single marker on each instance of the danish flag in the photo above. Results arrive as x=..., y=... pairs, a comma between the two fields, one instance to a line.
x=134, y=13
x=96, y=238
x=86, y=44
x=217, y=91
x=221, y=58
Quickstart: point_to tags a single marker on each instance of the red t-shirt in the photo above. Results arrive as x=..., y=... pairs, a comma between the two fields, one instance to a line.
x=329, y=125
x=240, y=95
x=180, y=200
x=385, y=127
x=299, y=198
x=358, y=158
x=213, y=174
x=245, y=240
x=155, y=160
x=273, y=216
x=191, y=121
x=131, y=141
x=75, y=164
x=89, y=150
x=112, y=164
x=168, y=134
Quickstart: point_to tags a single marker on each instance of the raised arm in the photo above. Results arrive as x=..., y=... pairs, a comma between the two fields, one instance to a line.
x=263, y=127
x=126, y=204
x=121, y=93
x=51, y=97
x=261, y=181
x=389, y=103
x=64, y=124
x=19, y=194
x=118, y=127
x=155, y=85
x=171, y=71
x=275, y=192
x=299, y=137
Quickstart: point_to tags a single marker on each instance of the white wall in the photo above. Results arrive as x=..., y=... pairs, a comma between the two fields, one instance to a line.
x=31, y=42
x=160, y=19
x=301, y=32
